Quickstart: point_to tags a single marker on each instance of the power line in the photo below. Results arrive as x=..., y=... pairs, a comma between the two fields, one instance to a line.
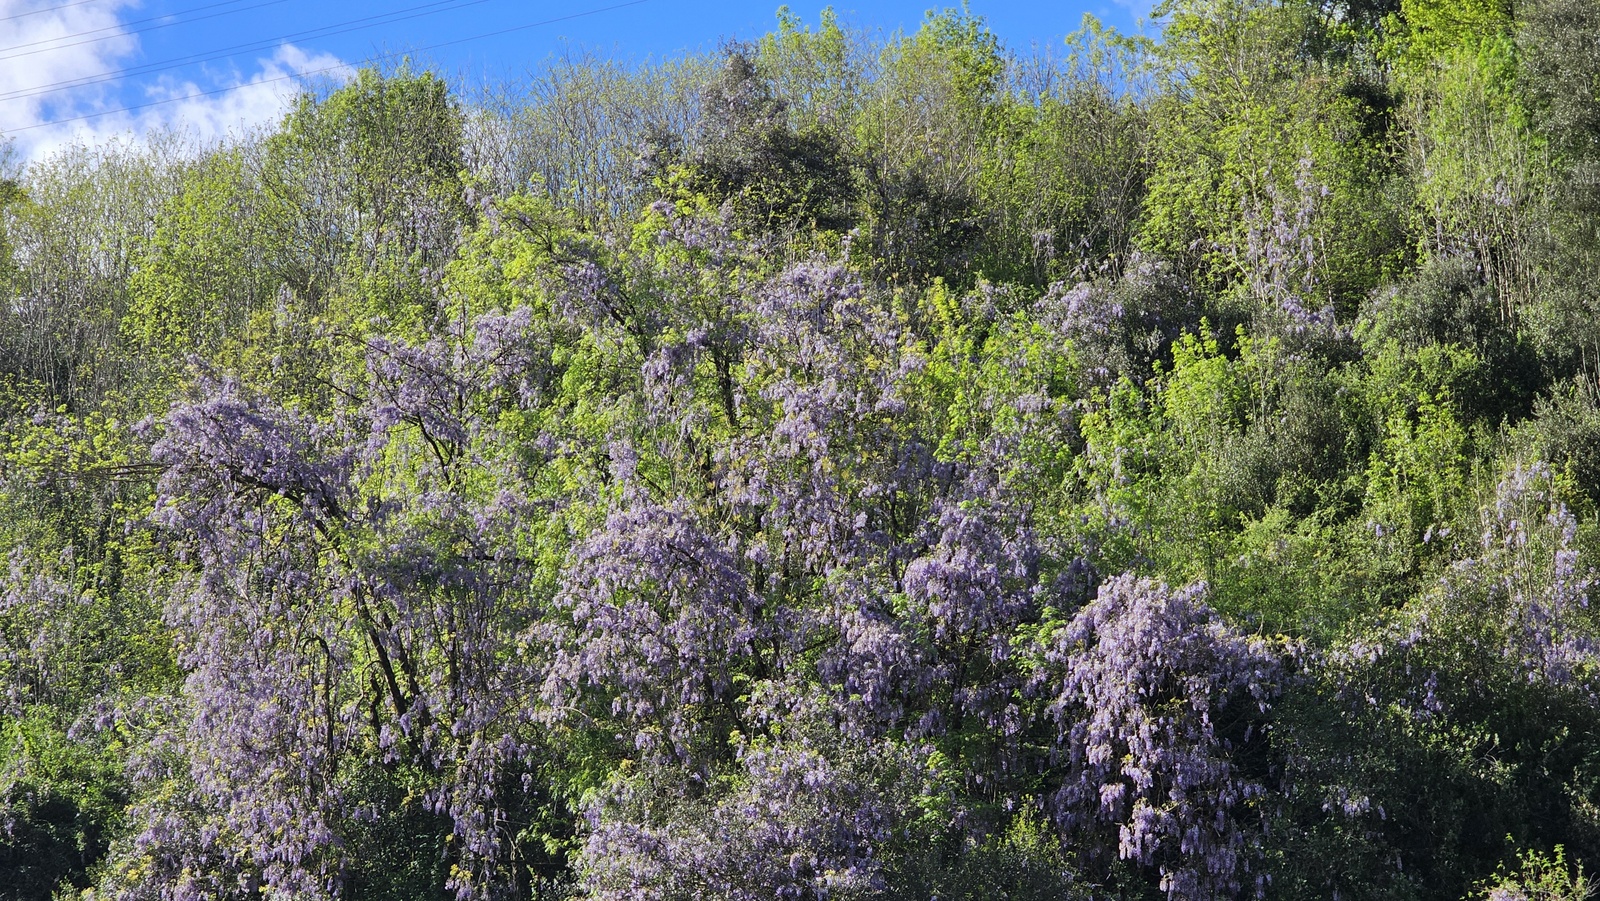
x=47, y=9
x=166, y=65
x=122, y=29
x=211, y=93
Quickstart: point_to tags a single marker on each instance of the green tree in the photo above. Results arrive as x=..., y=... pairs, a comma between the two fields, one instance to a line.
x=361, y=178
x=1271, y=179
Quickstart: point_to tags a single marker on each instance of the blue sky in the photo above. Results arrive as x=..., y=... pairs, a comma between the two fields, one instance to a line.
x=215, y=66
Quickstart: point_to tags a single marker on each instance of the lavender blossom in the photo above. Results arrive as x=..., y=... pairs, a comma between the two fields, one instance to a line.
x=1144, y=686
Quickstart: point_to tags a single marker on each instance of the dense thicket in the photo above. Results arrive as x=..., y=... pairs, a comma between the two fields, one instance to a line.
x=826, y=468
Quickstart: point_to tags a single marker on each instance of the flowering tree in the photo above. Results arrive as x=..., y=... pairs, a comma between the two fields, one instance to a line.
x=349, y=606
x=1153, y=698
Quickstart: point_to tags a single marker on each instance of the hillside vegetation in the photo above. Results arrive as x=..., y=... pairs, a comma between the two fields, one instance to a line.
x=831, y=467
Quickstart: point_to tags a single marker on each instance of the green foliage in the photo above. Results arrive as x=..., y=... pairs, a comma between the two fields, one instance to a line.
x=750, y=156
x=1565, y=432
x=1064, y=183
x=1557, y=68
x=923, y=141
x=1217, y=467
x=366, y=175
x=1538, y=877
x=583, y=127
x=77, y=230
x=820, y=76
x=1479, y=170
x=1436, y=29
x=1425, y=737
x=203, y=273
x=1270, y=171
x=671, y=478
x=61, y=802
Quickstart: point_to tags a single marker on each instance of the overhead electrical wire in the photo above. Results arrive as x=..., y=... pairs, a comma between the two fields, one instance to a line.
x=48, y=9
x=122, y=29
x=336, y=28
x=325, y=69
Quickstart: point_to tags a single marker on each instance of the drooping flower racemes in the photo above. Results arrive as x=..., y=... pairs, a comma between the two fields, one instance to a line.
x=1154, y=698
x=358, y=602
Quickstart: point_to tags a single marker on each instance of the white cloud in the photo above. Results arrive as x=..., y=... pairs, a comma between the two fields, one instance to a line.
x=1143, y=12
x=232, y=101
x=218, y=102
x=24, y=69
